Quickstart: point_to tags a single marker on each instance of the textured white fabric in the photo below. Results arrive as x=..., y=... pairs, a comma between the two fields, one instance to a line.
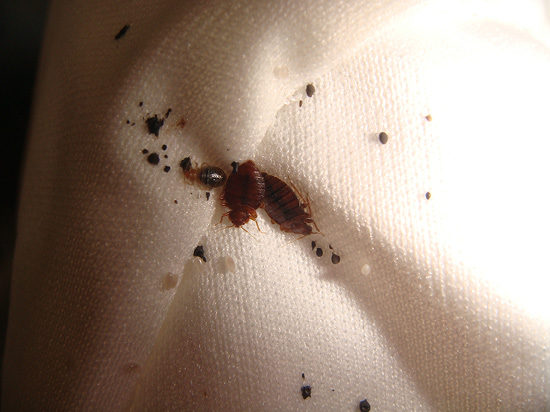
x=436, y=304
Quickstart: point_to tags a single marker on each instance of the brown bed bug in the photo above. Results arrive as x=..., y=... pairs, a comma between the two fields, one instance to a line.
x=284, y=208
x=244, y=193
x=208, y=177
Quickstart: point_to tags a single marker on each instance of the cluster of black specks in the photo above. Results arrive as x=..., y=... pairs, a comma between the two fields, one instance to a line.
x=310, y=89
x=306, y=391
x=335, y=259
x=154, y=158
x=428, y=195
x=364, y=405
x=199, y=252
x=207, y=196
x=383, y=137
x=154, y=124
x=122, y=32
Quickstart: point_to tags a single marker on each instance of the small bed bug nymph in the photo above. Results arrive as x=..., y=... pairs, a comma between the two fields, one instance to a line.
x=208, y=177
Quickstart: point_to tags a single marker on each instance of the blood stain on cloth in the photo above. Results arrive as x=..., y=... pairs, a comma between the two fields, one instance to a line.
x=199, y=252
x=364, y=405
x=122, y=32
x=383, y=137
x=319, y=252
x=153, y=158
x=166, y=169
x=154, y=124
x=335, y=258
x=306, y=391
x=310, y=89
x=169, y=281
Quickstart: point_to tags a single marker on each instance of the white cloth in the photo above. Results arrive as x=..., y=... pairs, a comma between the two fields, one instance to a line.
x=437, y=304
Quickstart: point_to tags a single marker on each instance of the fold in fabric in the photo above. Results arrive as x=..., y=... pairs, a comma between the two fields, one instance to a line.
x=433, y=301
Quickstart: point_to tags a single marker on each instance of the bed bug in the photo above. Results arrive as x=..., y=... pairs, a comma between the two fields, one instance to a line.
x=244, y=193
x=208, y=177
x=283, y=207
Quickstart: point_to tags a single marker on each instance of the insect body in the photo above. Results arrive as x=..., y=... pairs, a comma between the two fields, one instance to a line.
x=209, y=177
x=284, y=208
x=244, y=193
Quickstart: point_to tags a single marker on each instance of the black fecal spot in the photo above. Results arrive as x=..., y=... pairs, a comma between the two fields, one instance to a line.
x=166, y=169
x=154, y=124
x=207, y=195
x=145, y=151
x=330, y=247
x=175, y=201
x=319, y=252
x=235, y=166
x=313, y=244
x=428, y=195
x=133, y=124
x=199, y=252
x=310, y=89
x=164, y=147
x=165, y=156
x=153, y=158
x=383, y=137
x=140, y=104
x=303, y=375
x=335, y=258
x=127, y=121
x=306, y=391
x=122, y=32
x=300, y=104
x=364, y=406
x=185, y=164
x=168, y=113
